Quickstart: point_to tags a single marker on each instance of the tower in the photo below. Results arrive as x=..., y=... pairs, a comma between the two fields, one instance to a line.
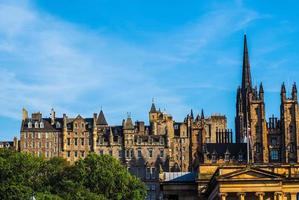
x=250, y=114
x=242, y=104
x=290, y=121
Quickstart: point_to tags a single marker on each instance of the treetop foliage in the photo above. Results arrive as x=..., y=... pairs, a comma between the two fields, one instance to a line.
x=94, y=178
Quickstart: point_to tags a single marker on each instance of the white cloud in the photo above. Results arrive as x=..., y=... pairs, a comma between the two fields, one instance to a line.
x=47, y=62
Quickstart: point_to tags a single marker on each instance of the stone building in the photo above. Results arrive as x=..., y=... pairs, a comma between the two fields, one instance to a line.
x=197, y=158
x=146, y=150
x=262, y=163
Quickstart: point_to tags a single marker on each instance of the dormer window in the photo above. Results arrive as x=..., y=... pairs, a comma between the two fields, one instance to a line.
x=36, y=125
x=139, y=140
x=41, y=124
x=226, y=156
x=214, y=157
x=75, y=125
x=150, y=140
x=58, y=125
x=29, y=124
x=240, y=157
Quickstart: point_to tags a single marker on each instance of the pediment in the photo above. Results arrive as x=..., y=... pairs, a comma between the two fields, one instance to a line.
x=249, y=174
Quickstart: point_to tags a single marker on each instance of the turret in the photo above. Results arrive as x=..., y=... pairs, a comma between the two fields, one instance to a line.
x=294, y=92
x=283, y=92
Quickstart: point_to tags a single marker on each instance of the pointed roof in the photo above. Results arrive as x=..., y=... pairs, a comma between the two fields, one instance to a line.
x=246, y=75
x=153, y=108
x=261, y=88
x=101, y=119
x=283, y=88
x=191, y=113
x=202, y=114
x=128, y=123
x=294, y=89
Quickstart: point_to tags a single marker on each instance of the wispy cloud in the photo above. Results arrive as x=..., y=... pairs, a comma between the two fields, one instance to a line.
x=48, y=62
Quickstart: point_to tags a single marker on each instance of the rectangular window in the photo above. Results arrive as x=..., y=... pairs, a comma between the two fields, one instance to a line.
x=120, y=154
x=139, y=154
x=82, y=154
x=148, y=173
x=274, y=154
x=76, y=154
x=68, y=154
x=101, y=152
x=110, y=152
x=273, y=141
x=76, y=141
x=132, y=153
x=82, y=141
x=161, y=153
x=68, y=141
x=150, y=153
x=153, y=173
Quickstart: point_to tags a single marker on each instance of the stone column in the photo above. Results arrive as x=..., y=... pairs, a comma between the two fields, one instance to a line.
x=293, y=196
x=223, y=196
x=241, y=195
x=260, y=195
x=278, y=196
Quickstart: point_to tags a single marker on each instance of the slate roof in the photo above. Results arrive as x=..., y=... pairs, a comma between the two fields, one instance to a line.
x=233, y=148
x=101, y=119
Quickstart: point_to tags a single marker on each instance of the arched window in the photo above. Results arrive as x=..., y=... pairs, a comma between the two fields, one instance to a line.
x=41, y=124
x=29, y=124
x=58, y=125
x=36, y=125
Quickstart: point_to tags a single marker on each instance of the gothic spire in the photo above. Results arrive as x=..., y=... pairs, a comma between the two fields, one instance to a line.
x=294, y=88
x=261, y=90
x=202, y=114
x=246, y=76
x=191, y=113
x=283, y=88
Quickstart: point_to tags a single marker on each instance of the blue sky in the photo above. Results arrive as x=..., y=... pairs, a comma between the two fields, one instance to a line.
x=79, y=56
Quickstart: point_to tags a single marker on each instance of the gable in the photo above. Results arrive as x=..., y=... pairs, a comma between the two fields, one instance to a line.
x=249, y=174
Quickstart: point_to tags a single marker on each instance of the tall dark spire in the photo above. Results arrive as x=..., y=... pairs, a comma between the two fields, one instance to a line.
x=246, y=75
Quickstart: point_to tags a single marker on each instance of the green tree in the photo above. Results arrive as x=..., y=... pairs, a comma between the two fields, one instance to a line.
x=94, y=178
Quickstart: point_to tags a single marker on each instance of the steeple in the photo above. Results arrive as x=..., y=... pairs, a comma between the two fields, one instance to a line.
x=153, y=107
x=101, y=119
x=246, y=75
